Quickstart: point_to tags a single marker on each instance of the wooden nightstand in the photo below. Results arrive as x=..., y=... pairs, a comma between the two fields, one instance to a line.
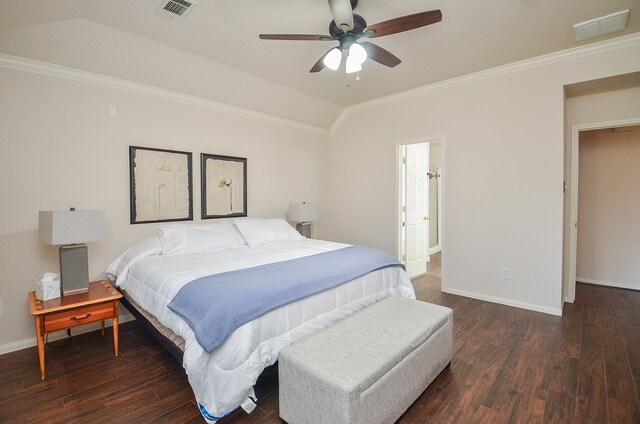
x=98, y=303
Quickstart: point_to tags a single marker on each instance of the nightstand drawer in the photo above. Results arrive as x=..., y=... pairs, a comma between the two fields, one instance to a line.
x=80, y=316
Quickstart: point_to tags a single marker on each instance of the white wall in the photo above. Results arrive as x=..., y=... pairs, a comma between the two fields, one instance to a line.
x=435, y=155
x=90, y=46
x=503, y=203
x=609, y=208
x=504, y=131
x=59, y=149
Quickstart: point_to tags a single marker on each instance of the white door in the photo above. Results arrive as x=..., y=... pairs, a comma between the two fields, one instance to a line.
x=417, y=209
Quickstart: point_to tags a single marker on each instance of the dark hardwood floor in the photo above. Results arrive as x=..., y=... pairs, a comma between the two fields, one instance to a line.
x=510, y=366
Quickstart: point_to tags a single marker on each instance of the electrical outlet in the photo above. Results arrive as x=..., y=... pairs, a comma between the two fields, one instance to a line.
x=506, y=273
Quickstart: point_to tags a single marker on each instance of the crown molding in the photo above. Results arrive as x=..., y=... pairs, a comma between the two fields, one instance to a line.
x=535, y=62
x=340, y=119
x=63, y=72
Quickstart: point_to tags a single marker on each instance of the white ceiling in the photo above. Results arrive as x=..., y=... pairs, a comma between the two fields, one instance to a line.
x=473, y=35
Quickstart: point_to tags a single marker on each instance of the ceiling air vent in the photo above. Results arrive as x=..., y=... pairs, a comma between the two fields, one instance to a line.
x=176, y=9
x=602, y=25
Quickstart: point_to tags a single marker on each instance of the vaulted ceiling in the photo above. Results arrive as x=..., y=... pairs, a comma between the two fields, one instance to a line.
x=473, y=35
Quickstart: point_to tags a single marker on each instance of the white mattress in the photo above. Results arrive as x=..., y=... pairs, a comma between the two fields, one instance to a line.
x=224, y=379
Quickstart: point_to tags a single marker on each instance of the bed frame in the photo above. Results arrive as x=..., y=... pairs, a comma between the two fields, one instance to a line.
x=171, y=347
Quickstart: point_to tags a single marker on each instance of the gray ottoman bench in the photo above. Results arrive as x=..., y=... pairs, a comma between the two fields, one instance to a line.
x=368, y=368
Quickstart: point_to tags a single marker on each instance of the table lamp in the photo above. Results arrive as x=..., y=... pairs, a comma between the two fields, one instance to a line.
x=71, y=229
x=303, y=213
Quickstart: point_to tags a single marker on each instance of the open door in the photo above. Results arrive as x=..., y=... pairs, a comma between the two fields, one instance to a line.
x=416, y=223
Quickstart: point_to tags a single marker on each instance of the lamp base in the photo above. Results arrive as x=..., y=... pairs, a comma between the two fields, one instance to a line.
x=304, y=228
x=74, y=268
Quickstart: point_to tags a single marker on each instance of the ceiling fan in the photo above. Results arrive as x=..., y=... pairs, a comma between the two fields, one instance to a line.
x=348, y=28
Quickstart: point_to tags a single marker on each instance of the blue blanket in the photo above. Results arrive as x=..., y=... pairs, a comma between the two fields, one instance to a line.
x=214, y=306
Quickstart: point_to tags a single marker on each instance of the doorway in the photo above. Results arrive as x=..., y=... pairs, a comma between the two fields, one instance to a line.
x=574, y=225
x=416, y=177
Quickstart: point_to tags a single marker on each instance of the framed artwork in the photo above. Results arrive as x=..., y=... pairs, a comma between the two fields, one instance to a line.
x=224, y=186
x=160, y=185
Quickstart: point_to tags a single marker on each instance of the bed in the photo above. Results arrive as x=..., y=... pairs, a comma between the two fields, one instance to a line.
x=156, y=270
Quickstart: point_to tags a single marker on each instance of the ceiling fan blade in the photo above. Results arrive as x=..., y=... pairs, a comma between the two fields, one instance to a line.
x=299, y=37
x=380, y=55
x=319, y=66
x=342, y=14
x=404, y=23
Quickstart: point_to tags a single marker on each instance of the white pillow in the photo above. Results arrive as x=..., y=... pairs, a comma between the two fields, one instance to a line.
x=187, y=239
x=257, y=231
x=119, y=267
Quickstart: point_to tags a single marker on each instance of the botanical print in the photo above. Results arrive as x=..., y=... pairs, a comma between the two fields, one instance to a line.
x=224, y=186
x=161, y=185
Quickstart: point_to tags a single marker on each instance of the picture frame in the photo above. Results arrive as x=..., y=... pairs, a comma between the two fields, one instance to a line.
x=223, y=186
x=160, y=185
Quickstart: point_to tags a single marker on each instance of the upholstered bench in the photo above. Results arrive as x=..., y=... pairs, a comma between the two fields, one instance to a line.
x=368, y=368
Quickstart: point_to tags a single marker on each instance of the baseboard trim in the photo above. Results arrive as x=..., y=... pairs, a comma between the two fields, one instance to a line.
x=609, y=284
x=435, y=249
x=58, y=335
x=504, y=301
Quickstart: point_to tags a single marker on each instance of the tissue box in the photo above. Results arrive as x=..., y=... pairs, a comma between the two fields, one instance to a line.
x=47, y=290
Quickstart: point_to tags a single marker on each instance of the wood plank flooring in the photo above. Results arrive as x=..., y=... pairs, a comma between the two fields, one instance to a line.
x=510, y=366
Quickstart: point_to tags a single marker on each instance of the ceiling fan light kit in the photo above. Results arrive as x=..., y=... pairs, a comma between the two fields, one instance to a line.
x=355, y=59
x=352, y=65
x=358, y=53
x=347, y=28
x=333, y=59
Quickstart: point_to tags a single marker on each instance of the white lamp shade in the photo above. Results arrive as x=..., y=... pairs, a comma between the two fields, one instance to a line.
x=332, y=59
x=358, y=53
x=68, y=227
x=353, y=65
x=303, y=212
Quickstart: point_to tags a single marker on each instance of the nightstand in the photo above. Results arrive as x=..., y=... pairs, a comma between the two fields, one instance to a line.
x=98, y=303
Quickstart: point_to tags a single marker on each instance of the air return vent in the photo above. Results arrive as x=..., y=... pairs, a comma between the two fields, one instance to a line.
x=176, y=9
x=602, y=25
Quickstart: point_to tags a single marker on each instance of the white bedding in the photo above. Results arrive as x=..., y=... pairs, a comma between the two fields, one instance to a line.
x=224, y=379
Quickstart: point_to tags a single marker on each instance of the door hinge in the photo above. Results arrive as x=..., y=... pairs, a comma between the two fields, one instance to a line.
x=404, y=258
x=404, y=160
x=564, y=186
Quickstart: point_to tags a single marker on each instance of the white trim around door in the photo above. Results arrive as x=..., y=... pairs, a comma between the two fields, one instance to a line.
x=570, y=282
